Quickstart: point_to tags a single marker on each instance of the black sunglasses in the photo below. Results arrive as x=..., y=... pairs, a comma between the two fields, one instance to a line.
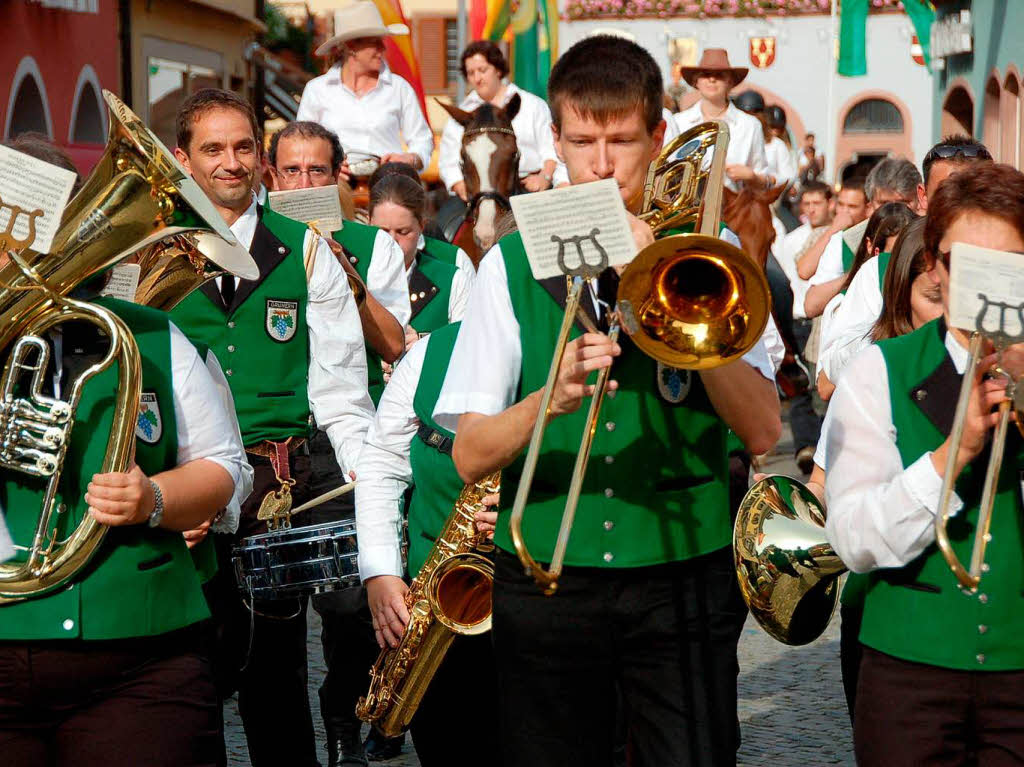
x=967, y=150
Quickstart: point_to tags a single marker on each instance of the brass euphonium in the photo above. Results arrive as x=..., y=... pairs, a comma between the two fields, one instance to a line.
x=787, y=570
x=689, y=301
x=136, y=195
x=451, y=595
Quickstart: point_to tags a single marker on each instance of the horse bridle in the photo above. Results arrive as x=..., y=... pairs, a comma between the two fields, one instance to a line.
x=497, y=197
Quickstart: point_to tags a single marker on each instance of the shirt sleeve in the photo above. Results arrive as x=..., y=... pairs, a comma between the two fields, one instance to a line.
x=309, y=104
x=880, y=514
x=830, y=265
x=458, y=299
x=483, y=375
x=545, y=138
x=463, y=261
x=449, y=157
x=758, y=160
x=415, y=131
x=386, y=279
x=337, y=385
x=204, y=427
x=384, y=471
x=850, y=328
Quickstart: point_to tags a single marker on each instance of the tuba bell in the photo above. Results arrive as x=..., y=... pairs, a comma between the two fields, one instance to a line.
x=137, y=195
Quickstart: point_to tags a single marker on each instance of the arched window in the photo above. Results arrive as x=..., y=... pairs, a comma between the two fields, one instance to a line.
x=873, y=116
x=87, y=123
x=958, y=113
x=27, y=111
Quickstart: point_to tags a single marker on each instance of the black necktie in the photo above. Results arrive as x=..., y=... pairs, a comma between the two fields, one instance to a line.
x=607, y=290
x=227, y=289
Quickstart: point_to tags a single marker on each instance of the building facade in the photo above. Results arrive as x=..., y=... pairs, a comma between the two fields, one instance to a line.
x=978, y=87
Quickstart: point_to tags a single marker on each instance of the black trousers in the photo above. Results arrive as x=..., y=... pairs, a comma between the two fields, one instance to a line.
x=804, y=420
x=662, y=640
x=457, y=718
x=850, y=652
x=142, y=702
x=912, y=714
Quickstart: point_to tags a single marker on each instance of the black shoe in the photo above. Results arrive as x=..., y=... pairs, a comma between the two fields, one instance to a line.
x=344, y=746
x=380, y=748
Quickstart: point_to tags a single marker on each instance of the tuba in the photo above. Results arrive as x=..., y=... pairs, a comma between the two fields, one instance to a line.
x=137, y=195
x=451, y=595
x=689, y=301
x=787, y=571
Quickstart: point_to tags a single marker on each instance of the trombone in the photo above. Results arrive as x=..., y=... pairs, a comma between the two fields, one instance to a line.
x=969, y=579
x=689, y=301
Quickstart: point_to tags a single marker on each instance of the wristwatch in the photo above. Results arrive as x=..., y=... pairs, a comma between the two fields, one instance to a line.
x=157, y=514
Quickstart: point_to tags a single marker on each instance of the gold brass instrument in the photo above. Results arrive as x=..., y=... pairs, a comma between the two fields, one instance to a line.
x=136, y=195
x=969, y=579
x=787, y=570
x=690, y=301
x=450, y=595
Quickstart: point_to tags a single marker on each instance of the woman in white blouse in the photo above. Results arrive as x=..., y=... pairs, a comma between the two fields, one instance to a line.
x=369, y=107
x=485, y=69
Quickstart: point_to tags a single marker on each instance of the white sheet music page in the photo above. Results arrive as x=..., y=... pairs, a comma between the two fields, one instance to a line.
x=574, y=227
x=6, y=544
x=33, y=193
x=986, y=290
x=318, y=204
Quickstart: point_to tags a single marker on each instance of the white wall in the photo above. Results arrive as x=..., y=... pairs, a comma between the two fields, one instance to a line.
x=800, y=73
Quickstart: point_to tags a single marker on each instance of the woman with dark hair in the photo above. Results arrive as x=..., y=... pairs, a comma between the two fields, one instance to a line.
x=942, y=668
x=910, y=296
x=438, y=287
x=485, y=69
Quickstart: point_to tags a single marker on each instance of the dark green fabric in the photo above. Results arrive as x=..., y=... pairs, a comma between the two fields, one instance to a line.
x=268, y=377
x=917, y=612
x=436, y=483
x=657, y=486
x=435, y=314
x=883, y=260
x=142, y=581
x=441, y=250
x=847, y=256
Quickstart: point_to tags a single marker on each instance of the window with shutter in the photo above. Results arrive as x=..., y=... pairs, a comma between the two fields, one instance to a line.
x=430, y=44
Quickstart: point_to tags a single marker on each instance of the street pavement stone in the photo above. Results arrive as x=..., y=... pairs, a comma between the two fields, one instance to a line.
x=791, y=706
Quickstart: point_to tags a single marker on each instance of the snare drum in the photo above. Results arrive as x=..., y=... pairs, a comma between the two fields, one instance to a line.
x=298, y=562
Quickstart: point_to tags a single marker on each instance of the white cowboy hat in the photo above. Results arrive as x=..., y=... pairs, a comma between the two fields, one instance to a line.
x=359, y=19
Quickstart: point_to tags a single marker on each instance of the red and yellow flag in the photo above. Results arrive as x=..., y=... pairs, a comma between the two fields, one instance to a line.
x=399, y=51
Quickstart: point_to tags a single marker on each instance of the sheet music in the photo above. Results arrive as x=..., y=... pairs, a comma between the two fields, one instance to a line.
x=986, y=290
x=6, y=544
x=319, y=204
x=574, y=227
x=40, y=191
x=123, y=282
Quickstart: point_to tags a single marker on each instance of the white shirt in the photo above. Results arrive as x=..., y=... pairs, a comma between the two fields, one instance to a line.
x=483, y=375
x=462, y=284
x=879, y=514
x=849, y=331
x=337, y=386
x=781, y=163
x=746, y=138
x=532, y=126
x=386, y=278
x=377, y=122
x=384, y=470
x=830, y=265
x=785, y=253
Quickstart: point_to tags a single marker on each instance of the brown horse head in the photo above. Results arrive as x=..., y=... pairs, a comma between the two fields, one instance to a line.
x=490, y=163
x=748, y=213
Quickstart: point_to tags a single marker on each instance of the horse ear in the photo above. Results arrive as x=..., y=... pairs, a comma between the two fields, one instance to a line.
x=460, y=116
x=512, y=107
x=771, y=195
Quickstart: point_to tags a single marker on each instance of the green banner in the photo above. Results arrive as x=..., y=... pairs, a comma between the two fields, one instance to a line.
x=853, y=21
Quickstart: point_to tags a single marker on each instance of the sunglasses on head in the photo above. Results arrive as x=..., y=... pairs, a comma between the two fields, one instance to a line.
x=948, y=152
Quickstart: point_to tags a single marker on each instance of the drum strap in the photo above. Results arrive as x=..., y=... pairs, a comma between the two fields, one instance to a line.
x=435, y=439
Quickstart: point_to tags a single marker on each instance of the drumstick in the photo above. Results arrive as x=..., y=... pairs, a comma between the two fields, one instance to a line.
x=329, y=495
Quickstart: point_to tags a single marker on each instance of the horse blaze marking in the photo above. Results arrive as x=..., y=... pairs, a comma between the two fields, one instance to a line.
x=480, y=151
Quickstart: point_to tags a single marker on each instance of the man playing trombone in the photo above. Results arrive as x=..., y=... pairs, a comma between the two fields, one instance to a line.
x=647, y=611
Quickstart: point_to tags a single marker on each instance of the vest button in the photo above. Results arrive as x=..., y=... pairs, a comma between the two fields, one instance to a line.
x=609, y=525
x=68, y=624
x=231, y=347
x=282, y=249
x=983, y=598
x=609, y=459
x=229, y=372
x=610, y=426
x=231, y=324
x=62, y=508
x=920, y=395
x=982, y=628
x=413, y=296
x=608, y=556
x=423, y=294
x=353, y=260
x=980, y=657
x=608, y=492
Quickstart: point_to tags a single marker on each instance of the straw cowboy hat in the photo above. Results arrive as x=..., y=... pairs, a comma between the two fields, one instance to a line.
x=359, y=19
x=713, y=60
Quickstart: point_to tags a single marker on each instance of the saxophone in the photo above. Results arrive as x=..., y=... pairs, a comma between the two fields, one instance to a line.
x=451, y=595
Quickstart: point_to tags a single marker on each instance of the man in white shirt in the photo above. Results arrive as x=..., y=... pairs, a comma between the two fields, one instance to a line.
x=370, y=108
x=713, y=76
x=292, y=348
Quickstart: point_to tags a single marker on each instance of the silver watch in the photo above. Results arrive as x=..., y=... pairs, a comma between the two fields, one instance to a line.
x=158, y=505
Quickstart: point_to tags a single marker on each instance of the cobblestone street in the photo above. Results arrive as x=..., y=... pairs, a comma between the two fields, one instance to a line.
x=791, y=706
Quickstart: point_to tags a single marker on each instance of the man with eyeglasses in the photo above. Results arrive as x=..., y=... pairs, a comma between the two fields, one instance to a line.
x=850, y=328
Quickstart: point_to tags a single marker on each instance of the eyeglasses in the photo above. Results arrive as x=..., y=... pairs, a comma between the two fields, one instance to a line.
x=316, y=173
x=946, y=152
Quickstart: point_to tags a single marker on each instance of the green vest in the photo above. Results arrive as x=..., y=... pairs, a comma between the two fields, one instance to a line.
x=882, y=260
x=430, y=291
x=436, y=483
x=262, y=341
x=141, y=582
x=847, y=257
x=657, y=486
x=917, y=612
x=358, y=240
x=441, y=250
